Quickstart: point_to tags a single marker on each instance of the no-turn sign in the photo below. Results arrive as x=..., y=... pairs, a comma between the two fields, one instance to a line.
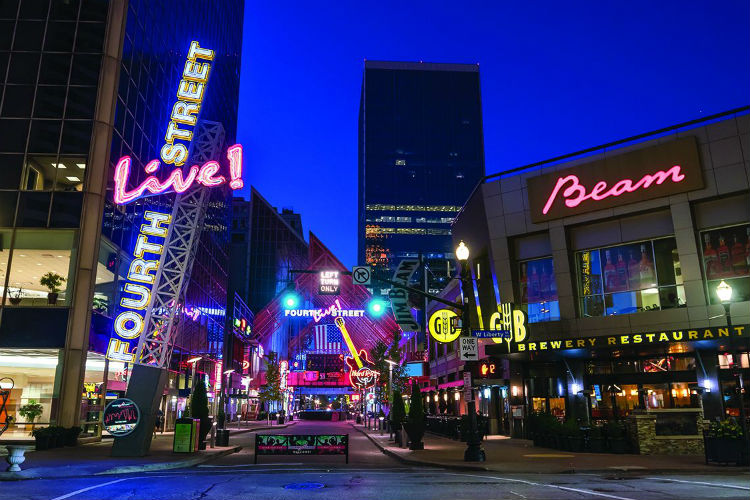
x=361, y=275
x=468, y=348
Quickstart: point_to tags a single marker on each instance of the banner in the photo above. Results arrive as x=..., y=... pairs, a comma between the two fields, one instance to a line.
x=400, y=298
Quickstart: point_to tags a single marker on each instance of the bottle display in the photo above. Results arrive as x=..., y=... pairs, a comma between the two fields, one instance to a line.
x=622, y=272
x=610, y=273
x=646, y=269
x=739, y=264
x=725, y=267
x=710, y=258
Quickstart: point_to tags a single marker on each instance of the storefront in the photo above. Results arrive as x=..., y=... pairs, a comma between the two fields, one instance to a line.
x=615, y=258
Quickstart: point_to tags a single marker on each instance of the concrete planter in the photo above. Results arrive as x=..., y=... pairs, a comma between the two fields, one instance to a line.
x=15, y=457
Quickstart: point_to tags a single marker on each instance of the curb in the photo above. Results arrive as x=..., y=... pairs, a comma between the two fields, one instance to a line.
x=621, y=470
x=169, y=465
x=409, y=461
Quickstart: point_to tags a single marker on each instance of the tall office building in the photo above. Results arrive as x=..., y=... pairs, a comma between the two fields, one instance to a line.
x=85, y=82
x=420, y=155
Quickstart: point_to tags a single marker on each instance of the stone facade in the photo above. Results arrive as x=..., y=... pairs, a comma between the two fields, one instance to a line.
x=642, y=431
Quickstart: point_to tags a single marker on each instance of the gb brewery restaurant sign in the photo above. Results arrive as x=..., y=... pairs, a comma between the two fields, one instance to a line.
x=661, y=170
x=178, y=136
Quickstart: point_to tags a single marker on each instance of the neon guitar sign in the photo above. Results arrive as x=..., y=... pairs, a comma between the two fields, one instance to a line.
x=177, y=180
x=360, y=376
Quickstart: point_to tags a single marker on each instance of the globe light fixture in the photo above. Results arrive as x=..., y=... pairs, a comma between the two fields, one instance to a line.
x=462, y=251
x=724, y=291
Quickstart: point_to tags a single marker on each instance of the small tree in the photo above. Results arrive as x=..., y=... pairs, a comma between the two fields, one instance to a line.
x=30, y=411
x=398, y=374
x=416, y=426
x=398, y=414
x=199, y=408
x=270, y=392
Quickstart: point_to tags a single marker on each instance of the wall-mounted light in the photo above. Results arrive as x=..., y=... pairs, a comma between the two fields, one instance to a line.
x=487, y=392
x=457, y=396
x=436, y=398
x=575, y=388
x=514, y=390
x=707, y=384
x=445, y=397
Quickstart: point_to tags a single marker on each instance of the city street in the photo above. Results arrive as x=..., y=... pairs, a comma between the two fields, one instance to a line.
x=369, y=475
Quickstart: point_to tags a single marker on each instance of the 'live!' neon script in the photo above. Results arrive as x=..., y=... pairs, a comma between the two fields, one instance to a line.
x=574, y=194
x=205, y=175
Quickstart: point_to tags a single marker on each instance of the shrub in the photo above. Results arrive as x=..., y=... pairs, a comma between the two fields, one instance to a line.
x=570, y=428
x=727, y=429
x=398, y=411
x=199, y=408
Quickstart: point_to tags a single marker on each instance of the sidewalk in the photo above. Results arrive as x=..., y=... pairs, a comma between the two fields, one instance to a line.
x=521, y=456
x=94, y=458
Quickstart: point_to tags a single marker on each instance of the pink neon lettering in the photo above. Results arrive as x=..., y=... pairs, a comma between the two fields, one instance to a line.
x=205, y=175
x=574, y=194
x=322, y=313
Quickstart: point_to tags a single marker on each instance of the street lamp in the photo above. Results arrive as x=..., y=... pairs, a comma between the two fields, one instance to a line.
x=194, y=362
x=474, y=451
x=724, y=292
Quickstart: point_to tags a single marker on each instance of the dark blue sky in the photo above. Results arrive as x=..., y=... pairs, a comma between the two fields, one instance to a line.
x=556, y=78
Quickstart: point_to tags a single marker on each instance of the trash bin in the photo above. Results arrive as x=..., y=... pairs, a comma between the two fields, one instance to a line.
x=222, y=437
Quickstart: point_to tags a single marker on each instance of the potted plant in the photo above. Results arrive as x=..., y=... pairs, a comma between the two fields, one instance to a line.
x=616, y=437
x=595, y=439
x=42, y=437
x=71, y=435
x=60, y=434
x=398, y=415
x=723, y=443
x=415, y=426
x=573, y=436
x=15, y=296
x=100, y=304
x=30, y=411
x=53, y=282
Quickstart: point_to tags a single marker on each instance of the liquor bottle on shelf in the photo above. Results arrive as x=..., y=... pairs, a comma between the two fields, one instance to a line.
x=646, y=268
x=622, y=272
x=739, y=265
x=710, y=259
x=747, y=250
x=544, y=282
x=533, y=285
x=634, y=271
x=725, y=266
x=524, y=280
x=610, y=274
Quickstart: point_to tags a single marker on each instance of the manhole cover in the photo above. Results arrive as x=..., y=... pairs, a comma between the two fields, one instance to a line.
x=304, y=486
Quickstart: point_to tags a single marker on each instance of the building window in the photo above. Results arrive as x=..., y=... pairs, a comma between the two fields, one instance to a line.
x=630, y=278
x=539, y=290
x=726, y=256
x=36, y=253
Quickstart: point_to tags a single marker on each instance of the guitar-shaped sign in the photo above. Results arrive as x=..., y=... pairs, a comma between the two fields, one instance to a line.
x=360, y=376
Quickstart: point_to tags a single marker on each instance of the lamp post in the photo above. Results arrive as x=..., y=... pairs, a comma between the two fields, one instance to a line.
x=724, y=292
x=474, y=451
x=390, y=385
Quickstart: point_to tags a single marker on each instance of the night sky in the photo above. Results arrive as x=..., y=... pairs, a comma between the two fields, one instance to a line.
x=555, y=79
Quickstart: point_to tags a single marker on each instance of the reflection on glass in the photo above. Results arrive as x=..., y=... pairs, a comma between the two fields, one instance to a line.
x=726, y=255
x=630, y=278
x=539, y=290
x=45, y=173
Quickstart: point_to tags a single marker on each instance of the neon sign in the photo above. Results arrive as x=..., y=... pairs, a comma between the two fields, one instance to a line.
x=360, y=376
x=177, y=180
x=643, y=174
x=575, y=193
x=136, y=294
x=190, y=92
x=333, y=310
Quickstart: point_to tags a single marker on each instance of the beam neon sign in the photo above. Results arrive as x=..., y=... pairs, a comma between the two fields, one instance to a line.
x=177, y=180
x=135, y=297
x=575, y=193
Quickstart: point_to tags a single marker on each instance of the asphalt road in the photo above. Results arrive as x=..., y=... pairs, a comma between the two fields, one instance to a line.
x=369, y=475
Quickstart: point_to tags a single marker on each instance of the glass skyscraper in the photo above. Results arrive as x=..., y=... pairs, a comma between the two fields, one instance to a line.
x=420, y=155
x=83, y=83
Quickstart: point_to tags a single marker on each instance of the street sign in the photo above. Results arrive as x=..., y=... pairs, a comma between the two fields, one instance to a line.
x=361, y=275
x=491, y=334
x=442, y=325
x=468, y=348
x=468, y=393
x=329, y=283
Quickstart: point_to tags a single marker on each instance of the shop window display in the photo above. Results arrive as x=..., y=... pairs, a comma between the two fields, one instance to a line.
x=539, y=290
x=630, y=278
x=33, y=372
x=726, y=256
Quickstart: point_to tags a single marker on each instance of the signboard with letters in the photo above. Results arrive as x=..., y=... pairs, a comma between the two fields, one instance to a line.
x=121, y=417
x=329, y=283
x=468, y=393
x=661, y=170
x=630, y=339
x=301, y=444
x=442, y=325
x=468, y=348
x=400, y=298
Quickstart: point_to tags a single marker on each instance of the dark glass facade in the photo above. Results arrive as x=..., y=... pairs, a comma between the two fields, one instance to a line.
x=266, y=244
x=53, y=86
x=420, y=155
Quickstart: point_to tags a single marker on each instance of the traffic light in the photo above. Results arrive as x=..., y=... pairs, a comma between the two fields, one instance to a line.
x=376, y=307
x=290, y=299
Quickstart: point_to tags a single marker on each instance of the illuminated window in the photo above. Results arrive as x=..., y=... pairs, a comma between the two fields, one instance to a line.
x=536, y=279
x=630, y=278
x=726, y=256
